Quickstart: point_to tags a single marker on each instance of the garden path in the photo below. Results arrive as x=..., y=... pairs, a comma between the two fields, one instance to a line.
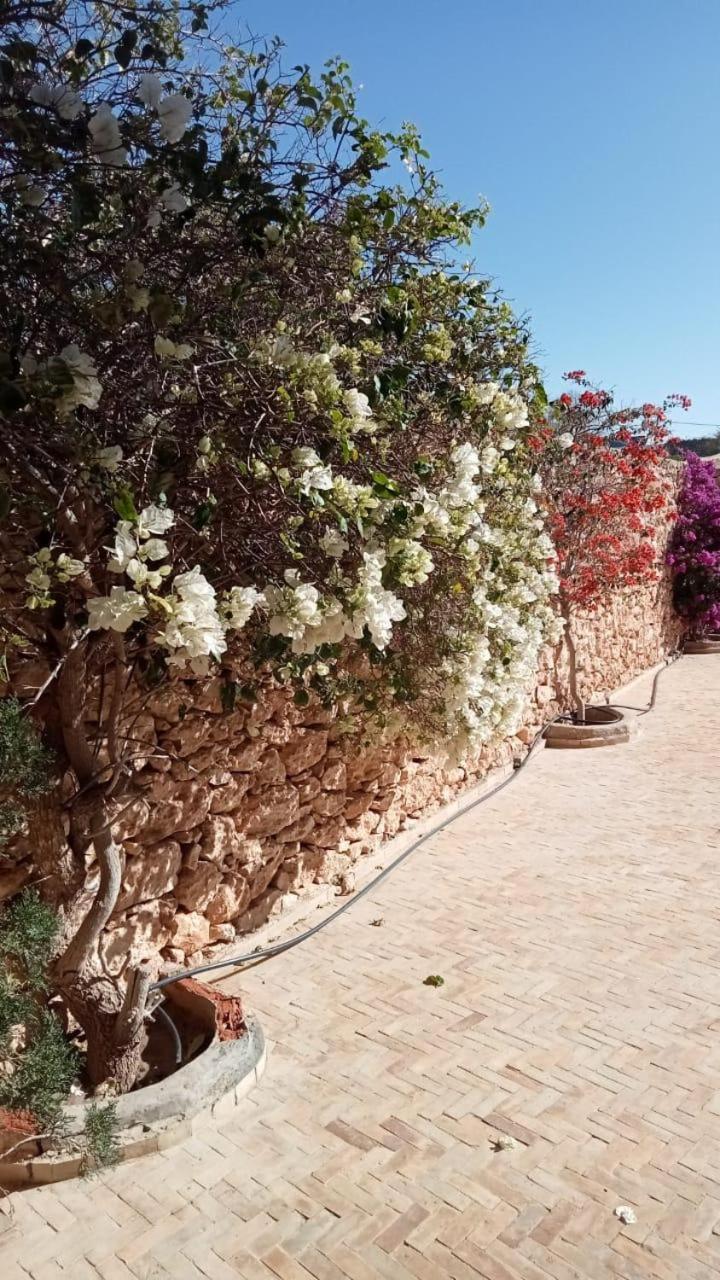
x=574, y=919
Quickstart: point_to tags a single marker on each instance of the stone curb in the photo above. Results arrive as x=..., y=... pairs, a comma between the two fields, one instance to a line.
x=163, y=1114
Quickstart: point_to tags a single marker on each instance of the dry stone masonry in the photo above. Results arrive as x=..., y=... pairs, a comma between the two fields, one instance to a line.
x=238, y=809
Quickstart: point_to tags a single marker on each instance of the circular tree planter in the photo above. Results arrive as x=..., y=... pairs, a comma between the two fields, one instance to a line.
x=162, y=1114
x=709, y=643
x=602, y=727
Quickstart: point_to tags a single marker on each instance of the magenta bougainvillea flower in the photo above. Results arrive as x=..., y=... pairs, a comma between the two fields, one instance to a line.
x=694, y=552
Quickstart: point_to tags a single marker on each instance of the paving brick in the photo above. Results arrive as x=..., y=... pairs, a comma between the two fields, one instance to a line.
x=574, y=919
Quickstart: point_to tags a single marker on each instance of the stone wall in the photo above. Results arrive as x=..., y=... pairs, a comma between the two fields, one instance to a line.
x=238, y=809
x=241, y=809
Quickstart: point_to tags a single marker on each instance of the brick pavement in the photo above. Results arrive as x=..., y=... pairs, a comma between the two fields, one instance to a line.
x=574, y=919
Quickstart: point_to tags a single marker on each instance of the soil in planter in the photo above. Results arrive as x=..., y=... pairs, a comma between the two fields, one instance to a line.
x=159, y=1058
x=223, y=1020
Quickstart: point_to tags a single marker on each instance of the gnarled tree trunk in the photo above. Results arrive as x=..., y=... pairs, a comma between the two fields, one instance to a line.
x=112, y=1018
x=569, y=641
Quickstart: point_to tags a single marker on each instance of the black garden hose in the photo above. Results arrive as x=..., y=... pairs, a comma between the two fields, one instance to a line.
x=249, y=959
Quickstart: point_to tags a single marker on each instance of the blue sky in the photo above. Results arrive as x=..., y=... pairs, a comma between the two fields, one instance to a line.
x=593, y=129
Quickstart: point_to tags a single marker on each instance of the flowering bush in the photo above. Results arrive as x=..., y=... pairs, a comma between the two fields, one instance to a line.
x=694, y=552
x=257, y=417
x=606, y=476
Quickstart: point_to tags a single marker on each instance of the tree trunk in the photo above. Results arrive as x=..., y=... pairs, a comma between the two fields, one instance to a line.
x=575, y=696
x=115, y=1030
x=112, y=1019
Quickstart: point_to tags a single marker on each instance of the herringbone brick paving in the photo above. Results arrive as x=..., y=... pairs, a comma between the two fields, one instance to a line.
x=574, y=919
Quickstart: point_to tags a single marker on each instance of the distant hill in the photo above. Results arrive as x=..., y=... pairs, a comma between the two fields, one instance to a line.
x=703, y=446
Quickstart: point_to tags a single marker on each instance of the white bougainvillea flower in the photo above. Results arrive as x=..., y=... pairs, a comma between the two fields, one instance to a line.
x=125, y=547
x=373, y=606
x=38, y=578
x=174, y=112
x=109, y=458
x=66, y=567
x=360, y=314
x=625, y=1214
x=328, y=627
x=106, y=137
x=304, y=456
x=193, y=632
x=154, y=519
x=59, y=97
x=238, y=606
x=509, y=411
x=116, y=612
x=565, y=440
x=333, y=543
x=485, y=392
x=465, y=460
x=169, y=350
x=173, y=199
x=154, y=549
x=86, y=389
x=411, y=563
x=277, y=350
x=149, y=90
x=489, y=459
x=315, y=474
x=292, y=607
x=357, y=406
x=142, y=575
x=272, y=232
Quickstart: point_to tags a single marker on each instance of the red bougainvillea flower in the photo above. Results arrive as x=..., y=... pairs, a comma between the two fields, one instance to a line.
x=604, y=494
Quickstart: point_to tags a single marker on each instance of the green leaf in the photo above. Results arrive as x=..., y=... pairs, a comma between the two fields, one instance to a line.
x=124, y=504
x=384, y=485
x=204, y=514
x=12, y=397
x=83, y=48
x=301, y=698
x=161, y=310
x=85, y=204
x=541, y=399
x=19, y=50
x=124, y=48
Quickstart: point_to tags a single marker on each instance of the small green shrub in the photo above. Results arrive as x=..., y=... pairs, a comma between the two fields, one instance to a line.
x=15, y=1006
x=28, y=930
x=101, y=1146
x=24, y=761
x=25, y=766
x=42, y=1072
x=38, y=1075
